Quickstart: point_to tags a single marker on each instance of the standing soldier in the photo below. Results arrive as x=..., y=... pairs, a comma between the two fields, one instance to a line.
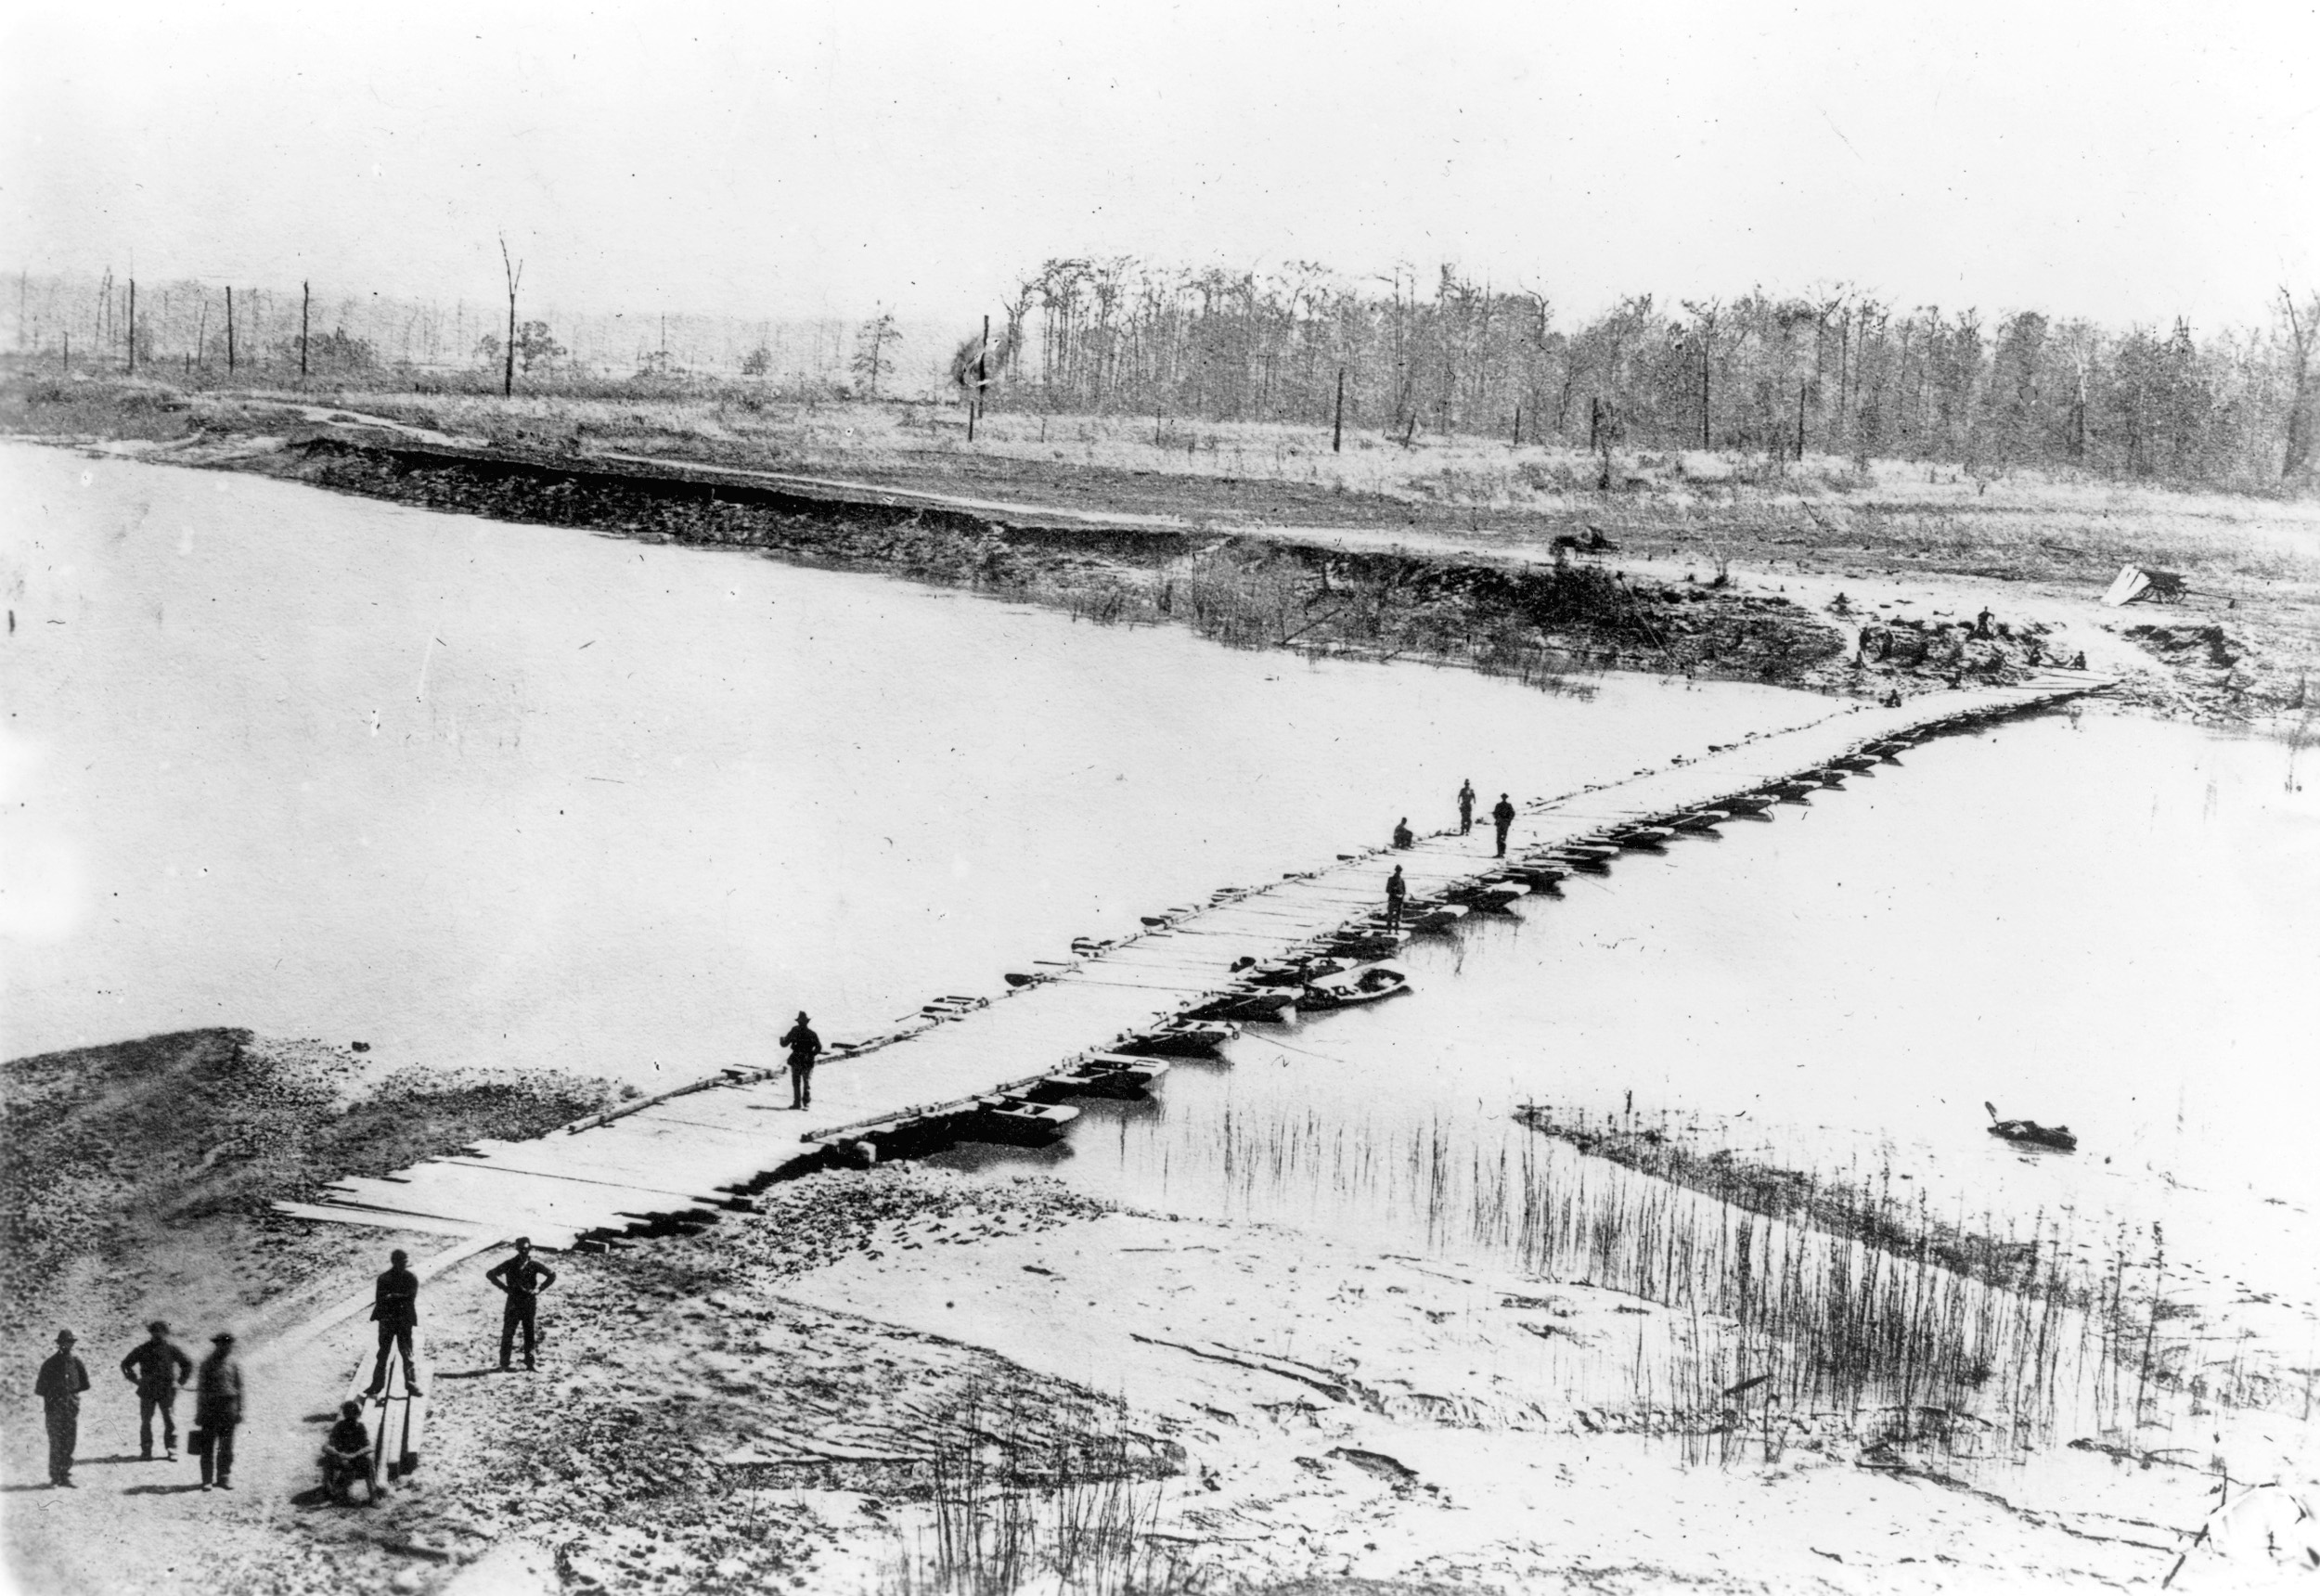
x=157, y=1368
x=395, y=1306
x=61, y=1381
x=217, y=1410
x=1466, y=808
x=523, y=1277
x=1396, y=891
x=804, y=1047
x=1502, y=816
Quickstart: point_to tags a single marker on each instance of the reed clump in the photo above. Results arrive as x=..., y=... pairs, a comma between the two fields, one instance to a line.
x=1059, y=1496
x=1978, y=1353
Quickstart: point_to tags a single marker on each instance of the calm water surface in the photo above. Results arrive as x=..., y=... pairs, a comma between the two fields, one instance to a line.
x=479, y=792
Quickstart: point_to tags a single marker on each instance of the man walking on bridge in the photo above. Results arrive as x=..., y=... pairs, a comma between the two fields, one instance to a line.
x=804, y=1047
x=523, y=1277
x=395, y=1306
x=1502, y=816
x=1396, y=890
x=1465, y=807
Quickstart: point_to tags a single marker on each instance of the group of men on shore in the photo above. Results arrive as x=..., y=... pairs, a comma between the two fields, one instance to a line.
x=159, y=1370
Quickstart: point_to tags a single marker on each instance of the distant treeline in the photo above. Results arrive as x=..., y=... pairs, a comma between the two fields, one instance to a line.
x=1838, y=373
x=183, y=327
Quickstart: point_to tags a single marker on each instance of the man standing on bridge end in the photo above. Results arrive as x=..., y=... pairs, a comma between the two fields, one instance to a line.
x=1502, y=817
x=523, y=1277
x=1397, y=891
x=395, y=1306
x=804, y=1047
x=1465, y=807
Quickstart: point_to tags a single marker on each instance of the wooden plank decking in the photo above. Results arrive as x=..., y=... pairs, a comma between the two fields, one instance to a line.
x=676, y=1162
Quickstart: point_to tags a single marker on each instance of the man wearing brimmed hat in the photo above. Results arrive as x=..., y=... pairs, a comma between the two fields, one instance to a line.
x=62, y=1379
x=157, y=1368
x=522, y=1276
x=804, y=1047
x=217, y=1410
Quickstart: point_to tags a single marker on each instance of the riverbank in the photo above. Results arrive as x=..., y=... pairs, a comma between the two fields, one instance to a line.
x=861, y=1388
x=1860, y=581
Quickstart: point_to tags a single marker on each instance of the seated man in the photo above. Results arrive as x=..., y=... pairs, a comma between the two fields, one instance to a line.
x=347, y=1454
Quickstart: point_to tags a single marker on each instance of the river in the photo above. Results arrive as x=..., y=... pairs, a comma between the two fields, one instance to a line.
x=480, y=794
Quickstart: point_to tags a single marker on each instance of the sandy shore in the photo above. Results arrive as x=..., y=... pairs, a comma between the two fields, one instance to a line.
x=772, y=1405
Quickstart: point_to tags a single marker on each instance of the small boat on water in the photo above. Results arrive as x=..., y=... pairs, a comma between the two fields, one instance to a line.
x=2030, y=1133
x=1420, y=918
x=1179, y=1039
x=1859, y=764
x=1017, y=1121
x=1498, y=898
x=1589, y=863
x=1101, y=1075
x=1698, y=820
x=1359, y=944
x=1539, y=878
x=1298, y=972
x=1642, y=837
x=1371, y=986
x=1255, y=1004
x=1745, y=804
x=1792, y=791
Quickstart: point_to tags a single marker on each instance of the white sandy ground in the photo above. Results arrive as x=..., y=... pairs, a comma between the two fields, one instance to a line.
x=1501, y=1395
x=1341, y=1414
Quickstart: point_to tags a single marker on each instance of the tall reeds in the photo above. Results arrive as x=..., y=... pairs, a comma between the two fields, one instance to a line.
x=1049, y=1495
x=1913, y=1333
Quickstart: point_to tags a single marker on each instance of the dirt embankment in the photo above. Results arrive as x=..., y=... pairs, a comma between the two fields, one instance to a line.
x=1540, y=622
x=1863, y=582
x=136, y=1179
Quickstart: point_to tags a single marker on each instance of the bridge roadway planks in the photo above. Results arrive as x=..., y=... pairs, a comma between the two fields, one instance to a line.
x=675, y=1161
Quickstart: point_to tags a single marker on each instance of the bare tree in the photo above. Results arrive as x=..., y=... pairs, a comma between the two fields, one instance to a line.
x=1704, y=315
x=870, y=361
x=515, y=280
x=2303, y=335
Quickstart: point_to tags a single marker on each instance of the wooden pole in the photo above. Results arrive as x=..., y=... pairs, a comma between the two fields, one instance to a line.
x=1337, y=428
x=1703, y=392
x=132, y=326
x=515, y=275
x=974, y=396
x=1800, y=423
x=305, y=318
x=1517, y=441
x=230, y=328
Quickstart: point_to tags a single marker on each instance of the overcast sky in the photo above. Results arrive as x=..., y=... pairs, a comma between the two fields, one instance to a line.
x=2130, y=162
